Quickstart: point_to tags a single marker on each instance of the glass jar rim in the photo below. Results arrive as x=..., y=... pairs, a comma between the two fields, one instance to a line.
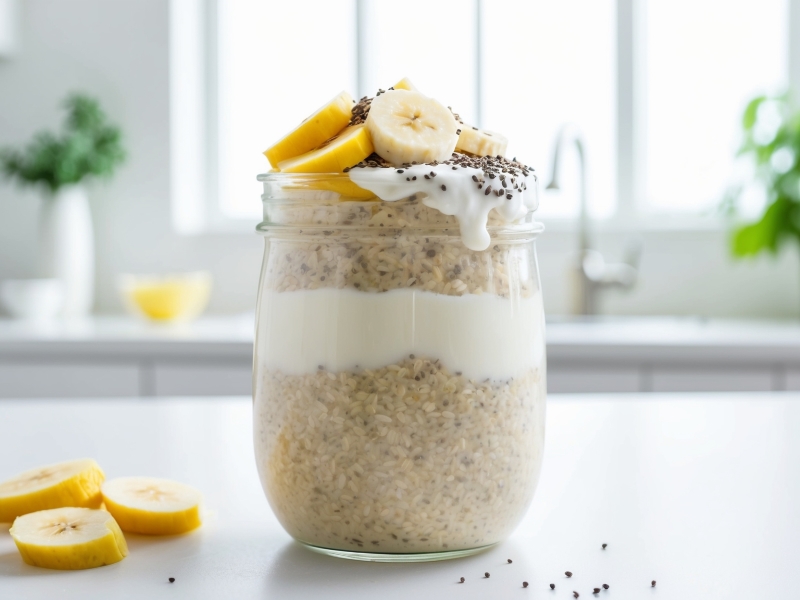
x=306, y=194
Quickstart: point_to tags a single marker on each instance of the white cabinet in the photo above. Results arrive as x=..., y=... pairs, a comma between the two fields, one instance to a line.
x=60, y=378
x=711, y=379
x=202, y=379
x=562, y=379
x=792, y=379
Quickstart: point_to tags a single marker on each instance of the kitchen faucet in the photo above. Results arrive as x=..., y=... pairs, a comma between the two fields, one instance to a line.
x=591, y=272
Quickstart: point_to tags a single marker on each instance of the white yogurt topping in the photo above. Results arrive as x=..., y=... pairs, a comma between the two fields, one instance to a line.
x=461, y=198
x=341, y=329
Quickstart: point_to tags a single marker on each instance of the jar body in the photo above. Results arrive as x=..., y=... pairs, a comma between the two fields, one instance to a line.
x=399, y=379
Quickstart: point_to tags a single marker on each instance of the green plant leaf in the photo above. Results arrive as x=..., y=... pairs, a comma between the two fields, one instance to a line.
x=751, y=112
x=766, y=233
x=88, y=146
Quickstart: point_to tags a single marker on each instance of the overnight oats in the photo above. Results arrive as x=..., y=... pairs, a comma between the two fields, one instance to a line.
x=399, y=379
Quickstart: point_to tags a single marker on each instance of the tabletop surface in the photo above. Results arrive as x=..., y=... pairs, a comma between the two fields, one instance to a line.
x=699, y=492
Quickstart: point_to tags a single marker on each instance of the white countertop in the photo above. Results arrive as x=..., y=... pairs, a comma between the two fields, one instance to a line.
x=697, y=492
x=125, y=336
x=684, y=339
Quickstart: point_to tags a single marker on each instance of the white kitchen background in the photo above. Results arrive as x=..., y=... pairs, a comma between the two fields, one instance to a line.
x=200, y=87
x=687, y=93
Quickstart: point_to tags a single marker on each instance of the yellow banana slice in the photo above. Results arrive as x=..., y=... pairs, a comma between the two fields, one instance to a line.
x=345, y=150
x=322, y=125
x=72, y=483
x=347, y=190
x=405, y=84
x=407, y=126
x=481, y=142
x=69, y=538
x=152, y=506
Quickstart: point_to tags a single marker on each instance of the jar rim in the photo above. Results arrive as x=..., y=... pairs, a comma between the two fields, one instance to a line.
x=328, y=194
x=281, y=176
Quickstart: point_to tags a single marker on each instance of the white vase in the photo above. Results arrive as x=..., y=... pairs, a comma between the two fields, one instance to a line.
x=66, y=247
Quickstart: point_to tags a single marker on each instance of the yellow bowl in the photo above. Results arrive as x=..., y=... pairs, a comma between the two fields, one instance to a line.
x=173, y=297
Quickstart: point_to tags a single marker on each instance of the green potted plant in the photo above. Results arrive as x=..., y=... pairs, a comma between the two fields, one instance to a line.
x=59, y=165
x=771, y=140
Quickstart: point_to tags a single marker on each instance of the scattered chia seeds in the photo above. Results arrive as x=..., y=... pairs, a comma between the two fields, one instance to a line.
x=486, y=575
x=604, y=546
x=462, y=580
x=575, y=594
x=524, y=584
x=172, y=580
x=360, y=111
x=510, y=561
x=605, y=586
x=552, y=586
x=653, y=583
x=596, y=591
x=568, y=573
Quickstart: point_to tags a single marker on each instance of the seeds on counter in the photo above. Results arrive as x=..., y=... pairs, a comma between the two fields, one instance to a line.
x=552, y=586
x=605, y=586
x=486, y=575
x=568, y=573
x=462, y=580
x=510, y=561
x=653, y=583
x=604, y=546
x=172, y=580
x=596, y=591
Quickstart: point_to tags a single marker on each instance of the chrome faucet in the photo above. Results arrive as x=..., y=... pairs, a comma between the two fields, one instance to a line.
x=591, y=272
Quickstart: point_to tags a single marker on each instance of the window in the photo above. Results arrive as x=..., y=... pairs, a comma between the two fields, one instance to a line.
x=276, y=62
x=656, y=88
x=700, y=73
x=546, y=64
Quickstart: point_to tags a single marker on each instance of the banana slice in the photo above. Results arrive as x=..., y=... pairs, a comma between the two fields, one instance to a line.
x=152, y=506
x=72, y=483
x=481, y=142
x=407, y=126
x=346, y=189
x=345, y=150
x=69, y=538
x=405, y=84
x=322, y=125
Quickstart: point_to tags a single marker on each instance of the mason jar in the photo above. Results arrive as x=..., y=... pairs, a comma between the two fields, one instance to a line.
x=399, y=377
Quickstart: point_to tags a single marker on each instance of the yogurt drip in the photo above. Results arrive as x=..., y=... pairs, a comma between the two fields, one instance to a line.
x=460, y=192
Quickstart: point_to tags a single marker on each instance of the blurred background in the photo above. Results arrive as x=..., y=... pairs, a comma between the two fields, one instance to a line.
x=181, y=97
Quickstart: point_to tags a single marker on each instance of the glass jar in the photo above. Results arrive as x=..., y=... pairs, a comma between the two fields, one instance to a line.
x=399, y=378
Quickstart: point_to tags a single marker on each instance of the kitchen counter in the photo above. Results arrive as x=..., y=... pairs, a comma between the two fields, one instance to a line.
x=122, y=356
x=699, y=492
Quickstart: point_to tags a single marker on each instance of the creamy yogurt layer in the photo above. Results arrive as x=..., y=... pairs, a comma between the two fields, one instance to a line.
x=468, y=189
x=482, y=336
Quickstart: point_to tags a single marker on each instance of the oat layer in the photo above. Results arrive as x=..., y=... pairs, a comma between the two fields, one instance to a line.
x=377, y=247
x=407, y=458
